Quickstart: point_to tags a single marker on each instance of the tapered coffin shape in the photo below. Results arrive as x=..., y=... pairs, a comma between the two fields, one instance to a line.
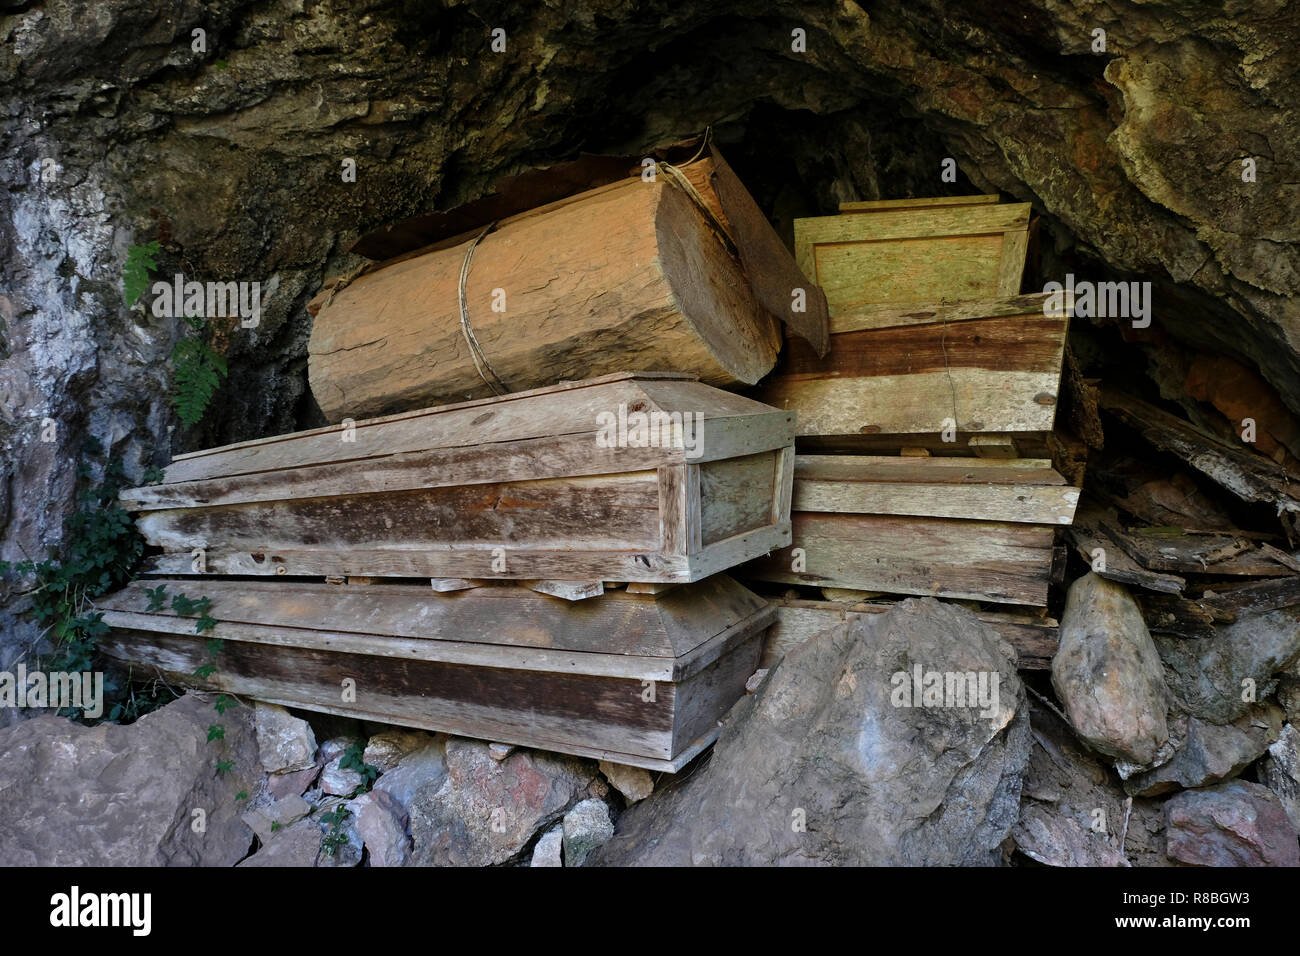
x=981, y=529
x=634, y=477
x=991, y=366
x=638, y=679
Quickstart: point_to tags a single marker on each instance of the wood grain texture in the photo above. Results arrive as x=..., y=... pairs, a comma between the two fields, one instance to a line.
x=498, y=663
x=630, y=276
x=885, y=205
x=912, y=255
x=668, y=626
x=905, y=372
x=536, y=479
x=980, y=560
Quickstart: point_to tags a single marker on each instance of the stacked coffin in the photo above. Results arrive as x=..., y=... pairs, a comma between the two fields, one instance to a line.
x=522, y=512
x=529, y=545
x=915, y=429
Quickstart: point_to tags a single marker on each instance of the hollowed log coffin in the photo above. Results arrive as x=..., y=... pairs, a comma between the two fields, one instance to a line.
x=639, y=679
x=635, y=477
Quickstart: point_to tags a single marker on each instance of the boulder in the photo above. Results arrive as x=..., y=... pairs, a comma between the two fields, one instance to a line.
x=486, y=811
x=267, y=821
x=633, y=782
x=586, y=827
x=547, y=850
x=1208, y=753
x=381, y=823
x=1073, y=811
x=847, y=755
x=143, y=794
x=1218, y=678
x=385, y=750
x=1231, y=824
x=1280, y=772
x=347, y=846
x=426, y=767
x=297, y=845
x=1107, y=673
x=293, y=783
x=337, y=781
x=285, y=742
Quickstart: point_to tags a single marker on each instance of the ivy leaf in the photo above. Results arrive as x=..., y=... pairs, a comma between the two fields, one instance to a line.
x=224, y=702
x=135, y=274
x=216, y=732
x=225, y=766
x=204, y=671
x=204, y=623
x=187, y=606
x=157, y=597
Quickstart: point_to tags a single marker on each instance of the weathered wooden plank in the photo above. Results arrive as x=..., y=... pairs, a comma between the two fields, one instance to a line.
x=1249, y=476
x=570, y=408
x=1118, y=566
x=885, y=205
x=1171, y=614
x=468, y=562
x=933, y=470
x=993, y=446
x=1256, y=597
x=736, y=495
x=671, y=624
x=922, y=223
x=917, y=403
x=1174, y=550
x=979, y=560
x=890, y=315
x=1051, y=504
x=554, y=514
x=999, y=373
x=1034, y=638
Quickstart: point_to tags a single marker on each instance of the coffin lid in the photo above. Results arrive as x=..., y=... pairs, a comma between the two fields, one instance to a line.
x=567, y=409
x=601, y=631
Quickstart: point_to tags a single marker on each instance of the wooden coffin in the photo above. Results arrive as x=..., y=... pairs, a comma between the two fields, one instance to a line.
x=1034, y=638
x=909, y=254
x=981, y=529
x=987, y=367
x=518, y=487
x=634, y=678
x=634, y=275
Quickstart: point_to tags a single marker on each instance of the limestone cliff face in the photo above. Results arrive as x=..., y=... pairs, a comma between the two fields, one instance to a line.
x=116, y=131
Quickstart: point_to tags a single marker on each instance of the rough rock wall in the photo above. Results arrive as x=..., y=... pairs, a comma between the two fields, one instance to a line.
x=116, y=131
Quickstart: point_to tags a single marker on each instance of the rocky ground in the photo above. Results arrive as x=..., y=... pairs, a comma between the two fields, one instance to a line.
x=1154, y=758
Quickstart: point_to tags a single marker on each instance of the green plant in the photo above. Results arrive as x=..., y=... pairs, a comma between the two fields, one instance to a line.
x=153, y=475
x=335, y=838
x=135, y=274
x=100, y=550
x=353, y=759
x=198, y=371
